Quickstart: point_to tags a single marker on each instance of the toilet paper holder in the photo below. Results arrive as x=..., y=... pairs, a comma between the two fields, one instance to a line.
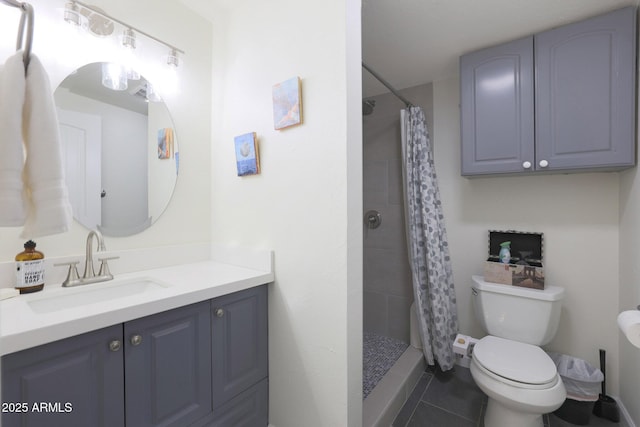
x=629, y=324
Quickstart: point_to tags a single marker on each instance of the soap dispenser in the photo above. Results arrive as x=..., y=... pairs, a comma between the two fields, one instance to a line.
x=29, y=269
x=505, y=252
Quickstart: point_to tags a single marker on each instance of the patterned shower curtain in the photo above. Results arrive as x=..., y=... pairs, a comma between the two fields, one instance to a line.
x=434, y=292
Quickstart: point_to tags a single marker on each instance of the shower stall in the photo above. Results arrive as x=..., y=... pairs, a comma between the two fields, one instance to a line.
x=388, y=290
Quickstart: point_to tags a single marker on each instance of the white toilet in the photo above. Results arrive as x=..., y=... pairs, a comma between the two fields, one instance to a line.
x=519, y=378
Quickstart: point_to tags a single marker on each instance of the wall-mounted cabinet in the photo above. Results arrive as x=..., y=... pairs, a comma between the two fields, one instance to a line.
x=165, y=369
x=562, y=100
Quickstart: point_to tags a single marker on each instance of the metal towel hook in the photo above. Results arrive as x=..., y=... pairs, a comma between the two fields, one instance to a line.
x=26, y=27
x=26, y=18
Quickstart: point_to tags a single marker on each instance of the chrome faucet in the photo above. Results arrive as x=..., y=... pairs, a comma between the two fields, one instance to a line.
x=89, y=275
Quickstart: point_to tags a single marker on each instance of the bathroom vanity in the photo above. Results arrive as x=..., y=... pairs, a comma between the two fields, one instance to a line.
x=181, y=346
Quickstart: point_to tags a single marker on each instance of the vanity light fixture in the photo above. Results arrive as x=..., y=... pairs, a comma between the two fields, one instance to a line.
x=72, y=13
x=129, y=39
x=173, y=59
x=114, y=76
x=75, y=9
x=152, y=95
x=129, y=42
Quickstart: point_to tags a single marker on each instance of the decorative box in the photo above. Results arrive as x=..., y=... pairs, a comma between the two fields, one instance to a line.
x=525, y=267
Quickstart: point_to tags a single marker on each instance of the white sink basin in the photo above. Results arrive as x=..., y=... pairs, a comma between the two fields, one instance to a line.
x=65, y=298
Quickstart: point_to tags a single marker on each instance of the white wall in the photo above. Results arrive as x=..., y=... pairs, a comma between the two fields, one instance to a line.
x=629, y=287
x=306, y=203
x=578, y=215
x=188, y=217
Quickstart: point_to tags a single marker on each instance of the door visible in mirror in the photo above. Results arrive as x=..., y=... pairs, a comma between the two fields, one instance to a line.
x=120, y=150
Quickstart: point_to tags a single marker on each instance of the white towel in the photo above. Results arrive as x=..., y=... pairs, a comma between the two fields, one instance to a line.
x=12, y=92
x=48, y=207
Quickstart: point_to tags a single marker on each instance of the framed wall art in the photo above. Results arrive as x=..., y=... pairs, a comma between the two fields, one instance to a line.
x=247, y=154
x=287, y=103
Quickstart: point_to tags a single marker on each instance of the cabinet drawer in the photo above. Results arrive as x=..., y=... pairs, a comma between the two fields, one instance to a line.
x=248, y=409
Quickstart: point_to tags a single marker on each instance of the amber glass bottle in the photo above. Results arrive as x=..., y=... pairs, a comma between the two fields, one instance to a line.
x=29, y=269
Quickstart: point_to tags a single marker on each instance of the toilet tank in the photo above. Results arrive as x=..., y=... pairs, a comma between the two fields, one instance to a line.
x=520, y=314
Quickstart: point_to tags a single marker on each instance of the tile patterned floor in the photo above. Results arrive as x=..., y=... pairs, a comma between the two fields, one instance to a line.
x=452, y=399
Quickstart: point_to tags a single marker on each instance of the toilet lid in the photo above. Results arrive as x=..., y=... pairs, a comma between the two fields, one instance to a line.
x=520, y=362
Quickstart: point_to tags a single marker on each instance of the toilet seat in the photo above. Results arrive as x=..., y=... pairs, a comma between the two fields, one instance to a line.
x=519, y=364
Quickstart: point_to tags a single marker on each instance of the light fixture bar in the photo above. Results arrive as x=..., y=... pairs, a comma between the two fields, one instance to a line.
x=124, y=24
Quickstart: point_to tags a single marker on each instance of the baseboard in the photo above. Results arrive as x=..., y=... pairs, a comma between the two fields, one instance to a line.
x=624, y=414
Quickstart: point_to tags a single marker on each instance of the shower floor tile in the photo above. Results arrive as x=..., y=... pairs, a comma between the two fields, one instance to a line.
x=379, y=355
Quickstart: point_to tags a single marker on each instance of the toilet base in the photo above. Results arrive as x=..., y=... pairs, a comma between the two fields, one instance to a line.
x=498, y=415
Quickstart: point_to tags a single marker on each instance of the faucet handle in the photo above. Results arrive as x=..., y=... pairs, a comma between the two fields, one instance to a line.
x=72, y=274
x=104, y=267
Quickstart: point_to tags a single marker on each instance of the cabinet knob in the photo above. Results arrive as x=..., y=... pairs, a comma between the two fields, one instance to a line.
x=115, y=345
x=526, y=165
x=219, y=312
x=543, y=163
x=135, y=339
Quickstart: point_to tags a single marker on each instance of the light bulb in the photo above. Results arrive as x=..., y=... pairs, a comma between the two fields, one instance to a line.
x=114, y=76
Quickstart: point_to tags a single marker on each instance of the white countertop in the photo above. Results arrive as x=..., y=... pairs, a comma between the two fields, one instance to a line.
x=21, y=327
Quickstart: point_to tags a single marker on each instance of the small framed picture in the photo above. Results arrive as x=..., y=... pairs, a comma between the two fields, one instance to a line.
x=165, y=143
x=287, y=103
x=247, y=155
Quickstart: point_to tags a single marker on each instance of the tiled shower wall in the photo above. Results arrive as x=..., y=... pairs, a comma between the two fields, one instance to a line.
x=388, y=292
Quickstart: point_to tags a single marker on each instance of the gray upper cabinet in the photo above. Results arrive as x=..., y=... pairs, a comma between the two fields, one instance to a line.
x=496, y=90
x=585, y=93
x=583, y=76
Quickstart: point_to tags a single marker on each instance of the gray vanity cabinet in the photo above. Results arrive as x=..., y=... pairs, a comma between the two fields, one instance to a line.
x=239, y=356
x=239, y=349
x=579, y=79
x=167, y=359
x=75, y=382
x=152, y=371
x=204, y=364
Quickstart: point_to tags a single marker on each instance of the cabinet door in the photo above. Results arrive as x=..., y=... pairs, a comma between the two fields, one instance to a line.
x=239, y=349
x=496, y=101
x=75, y=382
x=585, y=93
x=168, y=367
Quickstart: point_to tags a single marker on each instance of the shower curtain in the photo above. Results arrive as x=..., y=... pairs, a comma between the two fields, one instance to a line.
x=434, y=292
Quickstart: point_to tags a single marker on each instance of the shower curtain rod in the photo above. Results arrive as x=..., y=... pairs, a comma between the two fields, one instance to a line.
x=388, y=86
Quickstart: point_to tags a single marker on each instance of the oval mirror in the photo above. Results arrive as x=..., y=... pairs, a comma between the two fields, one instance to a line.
x=120, y=150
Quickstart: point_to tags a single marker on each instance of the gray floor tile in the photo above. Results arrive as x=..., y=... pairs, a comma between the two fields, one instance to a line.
x=555, y=421
x=456, y=392
x=432, y=416
x=451, y=399
x=412, y=402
